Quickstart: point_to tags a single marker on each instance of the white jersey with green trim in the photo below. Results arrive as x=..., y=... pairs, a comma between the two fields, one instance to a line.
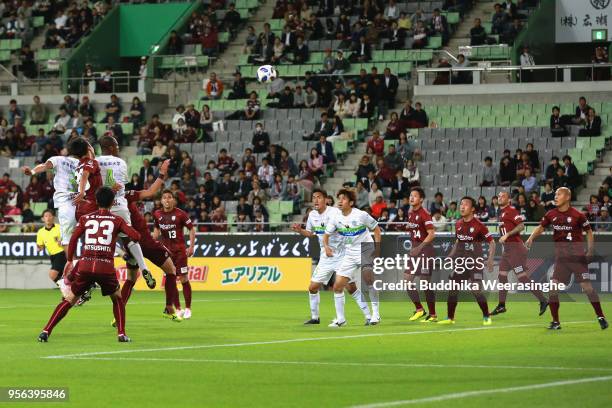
x=353, y=229
x=64, y=182
x=114, y=170
x=317, y=223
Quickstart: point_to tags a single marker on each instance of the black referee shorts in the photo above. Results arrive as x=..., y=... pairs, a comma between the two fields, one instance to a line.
x=58, y=262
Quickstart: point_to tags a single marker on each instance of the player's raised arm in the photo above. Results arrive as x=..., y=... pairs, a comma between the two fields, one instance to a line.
x=39, y=168
x=302, y=231
x=158, y=184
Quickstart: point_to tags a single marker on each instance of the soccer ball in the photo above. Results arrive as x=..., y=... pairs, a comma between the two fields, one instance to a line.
x=266, y=73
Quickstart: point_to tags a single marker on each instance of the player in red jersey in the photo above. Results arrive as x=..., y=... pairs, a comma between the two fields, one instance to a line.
x=422, y=233
x=88, y=177
x=470, y=234
x=153, y=250
x=568, y=225
x=169, y=224
x=96, y=265
x=514, y=257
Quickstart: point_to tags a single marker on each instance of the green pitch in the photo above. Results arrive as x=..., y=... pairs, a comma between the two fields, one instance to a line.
x=250, y=349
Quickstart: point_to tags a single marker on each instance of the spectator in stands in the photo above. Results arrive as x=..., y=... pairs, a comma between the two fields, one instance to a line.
x=377, y=208
x=238, y=87
x=113, y=109
x=341, y=64
x=420, y=116
x=27, y=63
x=557, y=127
x=86, y=109
x=507, y=171
x=534, y=211
x=560, y=179
x=478, y=35
x=591, y=210
x=315, y=163
x=551, y=169
x=439, y=25
x=340, y=106
x=390, y=84
x=213, y=87
x=276, y=87
x=61, y=121
x=285, y=100
x=489, y=173
x=326, y=150
x=592, y=125
x=376, y=143
x=547, y=198
x=534, y=158
x=499, y=20
x=394, y=128
x=137, y=112
x=225, y=163
x=192, y=117
x=452, y=213
x=603, y=223
x=443, y=77
x=393, y=160
x=69, y=104
x=287, y=39
x=278, y=52
x=397, y=38
x=582, y=111
x=115, y=130
x=232, y=19
x=251, y=40
x=461, y=77
x=14, y=112
x=522, y=164
x=252, y=108
x=104, y=84
x=298, y=98
x=526, y=60
x=571, y=172
x=512, y=31
x=411, y=173
x=38, y=112
x=374, y=193
x=260, y=140
x=529, y=182
x=175, y=44
x=300, y=51
x=310, y=97
x=419, y=35
x=391, y=11
x=439, y=221
x=438, y=204
x=257, y=194
x=482, y=210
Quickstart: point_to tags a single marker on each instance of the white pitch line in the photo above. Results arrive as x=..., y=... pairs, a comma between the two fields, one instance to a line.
x=477, y=393
x=345, y=364
x=30, y=306
x=302, y=339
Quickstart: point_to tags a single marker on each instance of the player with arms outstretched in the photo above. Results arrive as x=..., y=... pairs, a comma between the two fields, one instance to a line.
x=96, y=265
x=318, y=219
x=65, y=188
x=568, y=226
x=470, y=234
x=422, y=233
x=169, y=224
x=49, y=237
x=353, y=226
x=514, y=257
x=153, y=250
x=113, y=170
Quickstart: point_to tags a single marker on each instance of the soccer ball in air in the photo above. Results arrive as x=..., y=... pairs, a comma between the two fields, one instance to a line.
x=266, y=73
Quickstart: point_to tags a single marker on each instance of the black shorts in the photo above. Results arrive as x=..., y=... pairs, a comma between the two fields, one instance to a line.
x=58, y=262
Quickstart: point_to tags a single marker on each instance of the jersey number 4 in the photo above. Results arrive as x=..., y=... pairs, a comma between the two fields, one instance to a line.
x=106, y=232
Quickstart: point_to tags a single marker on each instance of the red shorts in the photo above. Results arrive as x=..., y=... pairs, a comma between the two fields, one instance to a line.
x=514, y=258
x=85, y=207
x=474, y=275
x=154, y=251
x=179, y=257
x=84, y=276
x=566, y=267
x=422, y=268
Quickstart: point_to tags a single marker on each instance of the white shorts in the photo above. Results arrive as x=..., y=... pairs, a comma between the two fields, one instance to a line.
x=66, y=215
x=348, y=266
x=123, y=212
x=325, y=269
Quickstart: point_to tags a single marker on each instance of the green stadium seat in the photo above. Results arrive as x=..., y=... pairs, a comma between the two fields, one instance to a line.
x=38, y=208
x=224, y=37
x=525, y=109
x=484, y=110
x=498, y=109
x=273, y=207
x=488, y=121
x=128, y=128
x=457, y=110
x=471, y=110
x=502, y=121
x=474, y=121
x=38, y=21
x=434, y=42
x=5, y=55
x=286, y=207
x=530, y=120
x=461, y=121
x=515, y=120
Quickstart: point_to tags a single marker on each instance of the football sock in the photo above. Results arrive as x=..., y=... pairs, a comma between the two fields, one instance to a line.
x=553, y=303
x=430, y=296
x=536, y=292
x=315, y=299
x=363, y=305
x=482, y=303
x=339, y=302
x=374, y=300
x=170, y=289
x=503, y=293
x=452, y=305
x=597, y=308
x=126, y=290
x=119, y=312
x=187, y=294
x=136, y=252
x=58, y=314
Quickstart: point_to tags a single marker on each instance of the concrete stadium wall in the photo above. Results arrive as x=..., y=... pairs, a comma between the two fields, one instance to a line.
x=27, y=275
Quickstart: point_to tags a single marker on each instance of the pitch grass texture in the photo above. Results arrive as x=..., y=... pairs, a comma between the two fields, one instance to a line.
x=251, y=350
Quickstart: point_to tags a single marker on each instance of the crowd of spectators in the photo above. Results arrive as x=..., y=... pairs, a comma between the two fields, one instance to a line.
x=600, y=206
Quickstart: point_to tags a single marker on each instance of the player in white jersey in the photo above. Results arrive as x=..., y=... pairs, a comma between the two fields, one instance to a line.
x=114, y=173
x=353, y=226
x=65, y=187
x=315, y=227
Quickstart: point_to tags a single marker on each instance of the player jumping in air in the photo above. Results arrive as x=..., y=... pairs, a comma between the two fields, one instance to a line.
x=353, y=226
x=169, y=223
x=153, y=250
x=48, y=237
x=422, y=233
x=514, y=257
x=318, y=219
x=470, y=234
x=568, y=225
x=88, y=177
x=114, y=173
x=65, y=189
x=96, y=265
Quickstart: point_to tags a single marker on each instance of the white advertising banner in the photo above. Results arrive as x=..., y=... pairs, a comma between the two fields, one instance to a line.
x=577, y=19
